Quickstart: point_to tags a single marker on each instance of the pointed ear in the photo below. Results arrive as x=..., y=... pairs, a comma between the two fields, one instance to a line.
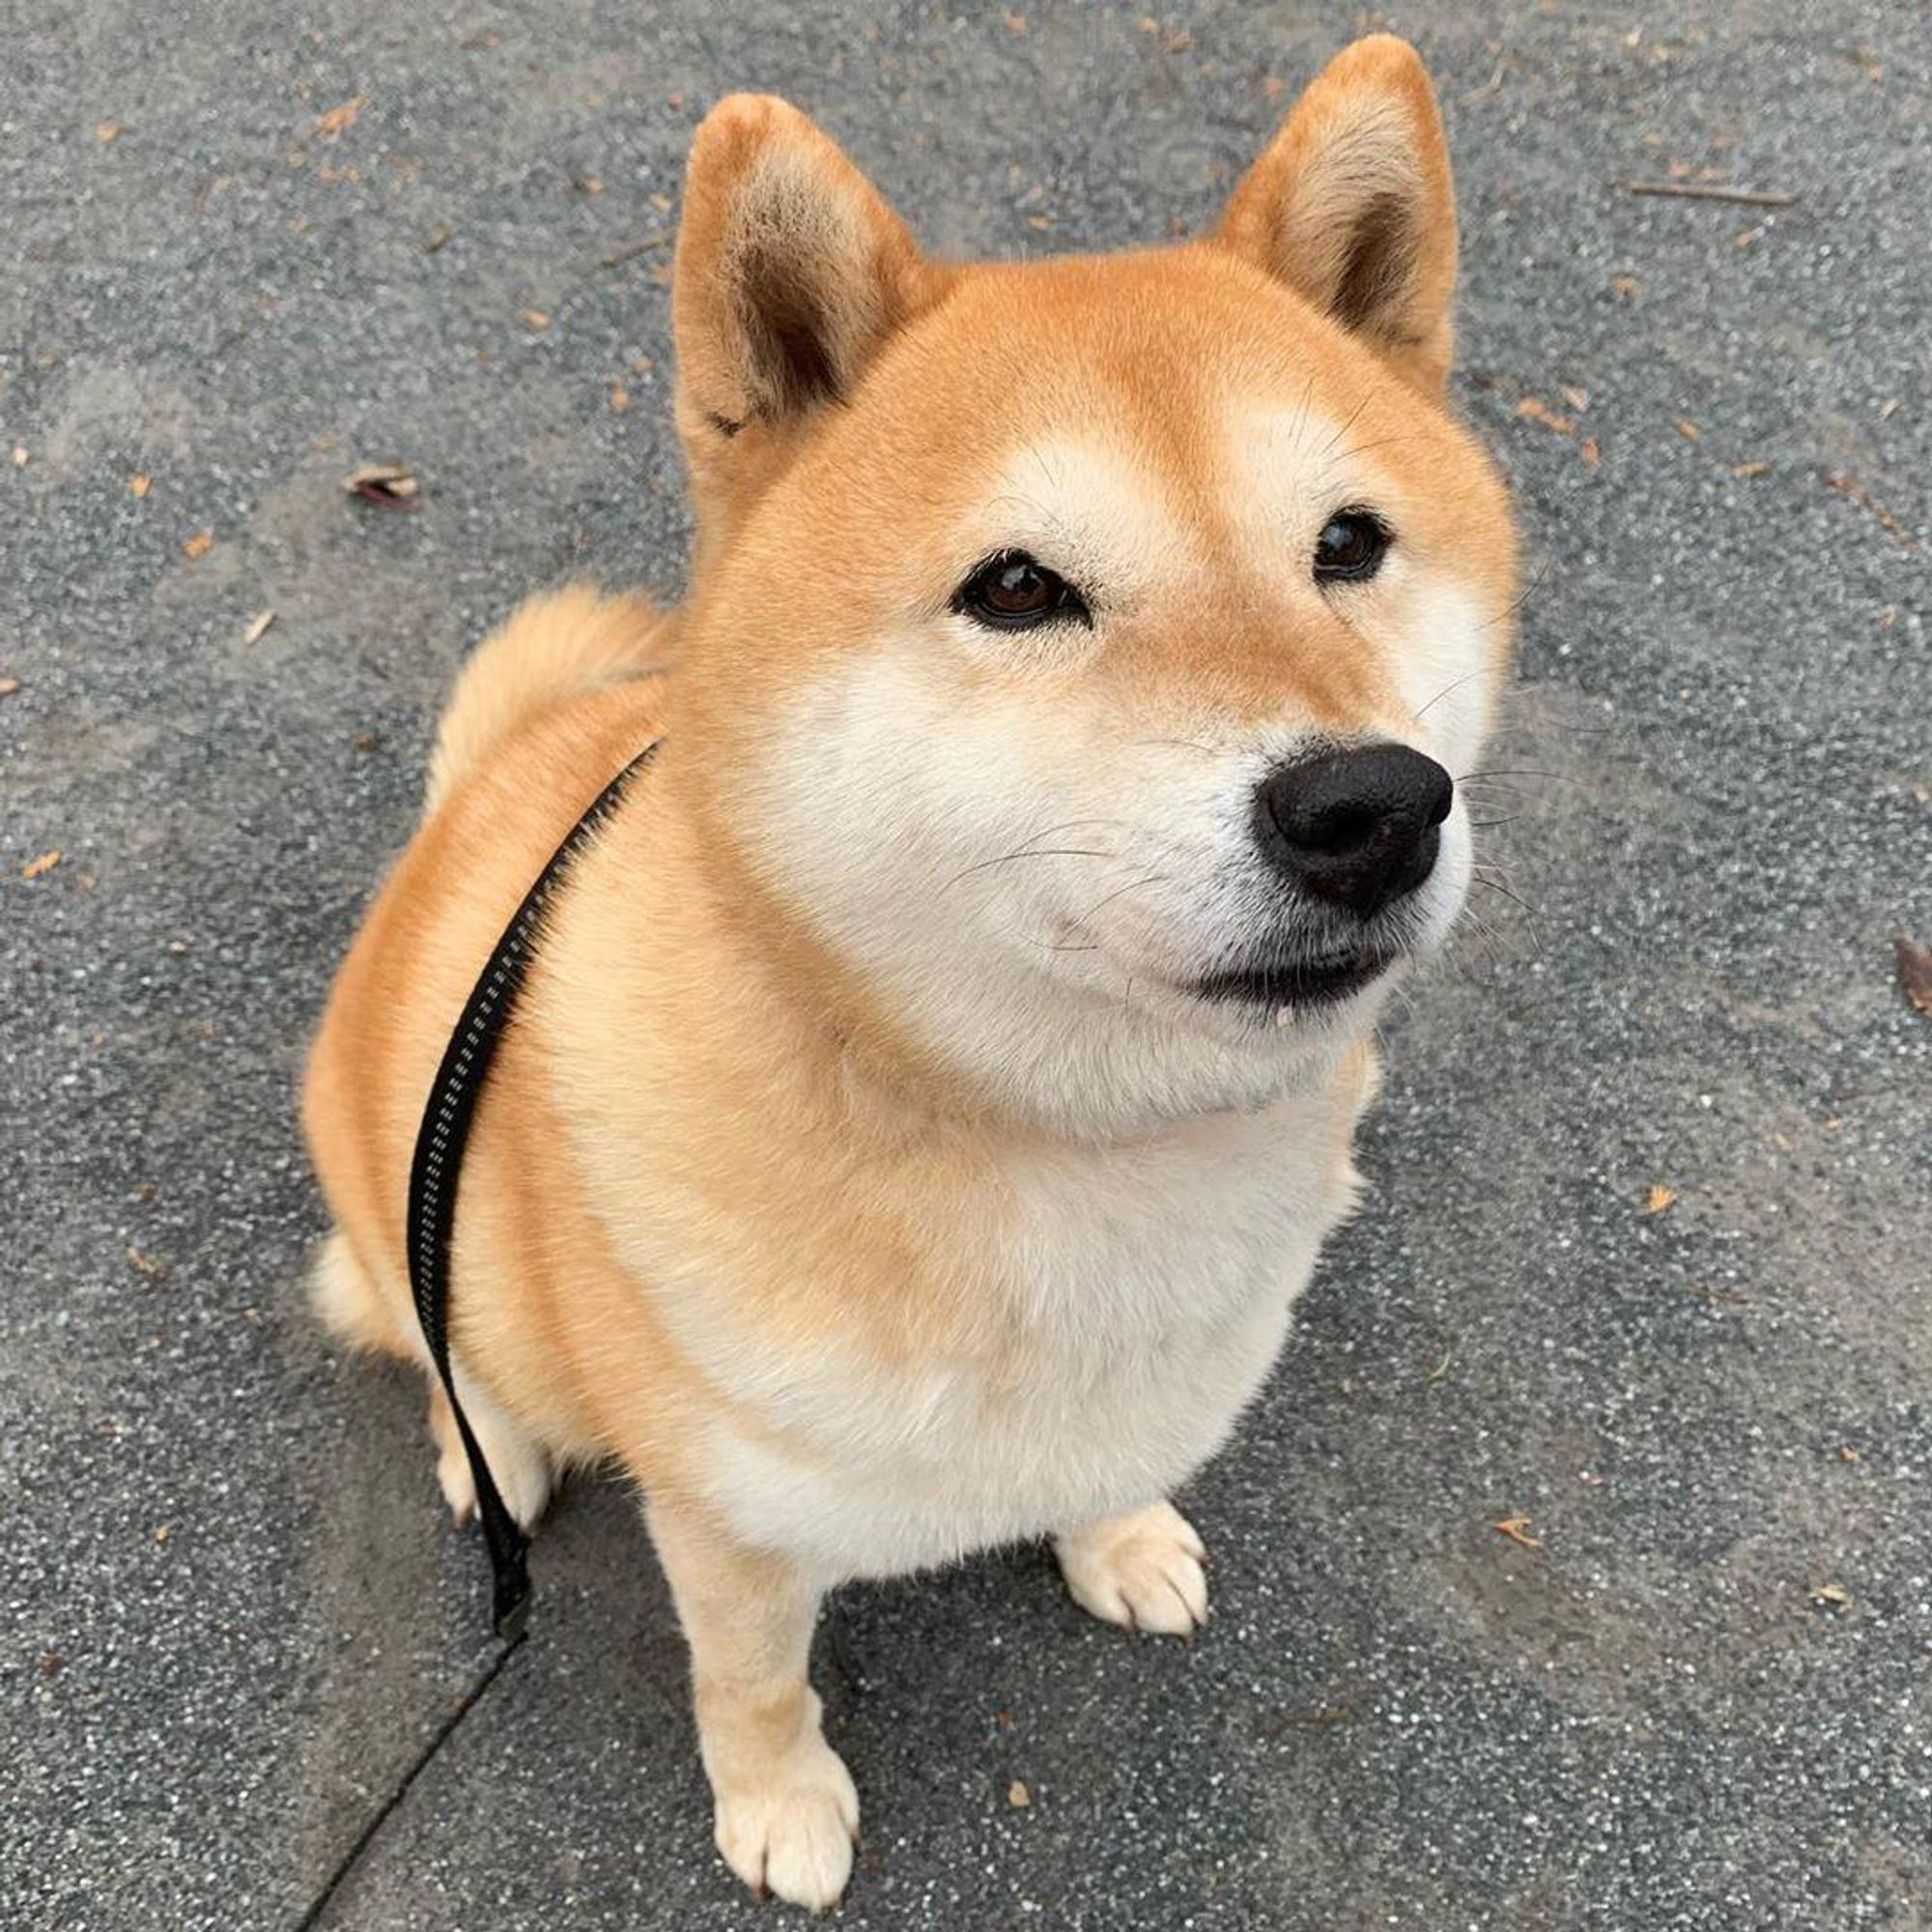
x=1351, y=204
x=791, y=271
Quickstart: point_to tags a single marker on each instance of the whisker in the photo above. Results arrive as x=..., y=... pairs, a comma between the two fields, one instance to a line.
x=1521, y=597
x=1354, y=417
x=1301, y=417
x=1043, y=852
x=1480, y=877
x=1382, y=442
x=1133, y=884
x=1556, y=778
x=1451, y=685
x=1032, y=851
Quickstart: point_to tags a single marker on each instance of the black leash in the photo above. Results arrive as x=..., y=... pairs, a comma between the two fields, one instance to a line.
x=437, y=1166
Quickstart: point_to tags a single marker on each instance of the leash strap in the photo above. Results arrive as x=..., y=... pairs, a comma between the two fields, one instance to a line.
x=437, y=1166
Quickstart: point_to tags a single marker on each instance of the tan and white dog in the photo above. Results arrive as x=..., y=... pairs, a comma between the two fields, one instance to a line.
x=934, y=1082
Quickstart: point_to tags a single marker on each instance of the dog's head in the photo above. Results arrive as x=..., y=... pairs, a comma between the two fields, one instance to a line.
x=1082, y=652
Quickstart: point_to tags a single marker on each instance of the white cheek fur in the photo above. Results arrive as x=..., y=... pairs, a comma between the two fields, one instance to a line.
x=1446, y=668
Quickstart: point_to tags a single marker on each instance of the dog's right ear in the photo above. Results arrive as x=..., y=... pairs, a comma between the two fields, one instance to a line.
x=791, y=273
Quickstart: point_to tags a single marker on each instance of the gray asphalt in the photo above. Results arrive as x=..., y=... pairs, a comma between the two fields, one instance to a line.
x=233, y=1626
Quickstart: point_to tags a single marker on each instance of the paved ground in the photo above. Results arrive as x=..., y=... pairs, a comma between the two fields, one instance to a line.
x=234, y=1625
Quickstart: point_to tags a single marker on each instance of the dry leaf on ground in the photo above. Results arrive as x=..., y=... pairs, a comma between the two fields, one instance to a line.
x=1659, y=1197
x=45, y=862
x=9, y=685
x=1538, y=410
x=139, y=484
x=339, y=120
x=1017, y=1794
x=1915, y=973
x=198, y=546
x=1517, y=1529
x=395, y=484
x=258, y=627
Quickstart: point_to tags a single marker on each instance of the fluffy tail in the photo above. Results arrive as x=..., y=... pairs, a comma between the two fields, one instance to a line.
x=560, y=645
x=349, y=1304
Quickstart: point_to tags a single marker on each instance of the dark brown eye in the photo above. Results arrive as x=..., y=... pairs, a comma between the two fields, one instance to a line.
x=1012, y=592
x=1351, y=548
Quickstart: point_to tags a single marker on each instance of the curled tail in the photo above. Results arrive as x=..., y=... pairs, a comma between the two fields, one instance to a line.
x=350, y=1305
x=563, y=644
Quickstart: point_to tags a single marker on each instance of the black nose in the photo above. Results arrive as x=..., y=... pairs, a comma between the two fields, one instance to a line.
x=1359, y=828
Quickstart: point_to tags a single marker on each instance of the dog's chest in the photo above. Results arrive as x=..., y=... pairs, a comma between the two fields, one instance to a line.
x=1134, y=1301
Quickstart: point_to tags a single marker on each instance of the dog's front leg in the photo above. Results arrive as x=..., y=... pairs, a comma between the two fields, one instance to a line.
x=788, y=1815
x=1142, y=1570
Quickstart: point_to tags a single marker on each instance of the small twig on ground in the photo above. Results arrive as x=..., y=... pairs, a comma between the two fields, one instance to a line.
x=631, y=251
x=1751, y=197
x=1849, y=486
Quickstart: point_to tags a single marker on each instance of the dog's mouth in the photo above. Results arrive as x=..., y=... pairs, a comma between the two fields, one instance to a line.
x=1284, y=986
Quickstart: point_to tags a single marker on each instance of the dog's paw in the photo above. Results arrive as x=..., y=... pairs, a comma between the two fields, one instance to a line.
x=1143, y=1570
x=454, y=1480
x=521, y=1465
x=792, y=1833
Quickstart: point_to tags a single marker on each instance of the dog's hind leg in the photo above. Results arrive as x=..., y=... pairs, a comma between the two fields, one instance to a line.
x=354, y=1308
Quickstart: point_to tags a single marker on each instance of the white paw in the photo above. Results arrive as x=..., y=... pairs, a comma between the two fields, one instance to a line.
x=792, y=1833
x=453, y=1479
x=520, y=1468
x=1142, y=1570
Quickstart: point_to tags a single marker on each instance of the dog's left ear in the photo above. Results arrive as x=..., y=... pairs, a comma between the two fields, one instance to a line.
x=1351, y=204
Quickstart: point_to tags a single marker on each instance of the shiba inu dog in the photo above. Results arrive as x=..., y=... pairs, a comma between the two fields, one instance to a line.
x=935, y=1079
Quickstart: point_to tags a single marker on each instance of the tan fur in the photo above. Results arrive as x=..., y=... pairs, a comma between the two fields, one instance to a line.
x=750, y=1205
